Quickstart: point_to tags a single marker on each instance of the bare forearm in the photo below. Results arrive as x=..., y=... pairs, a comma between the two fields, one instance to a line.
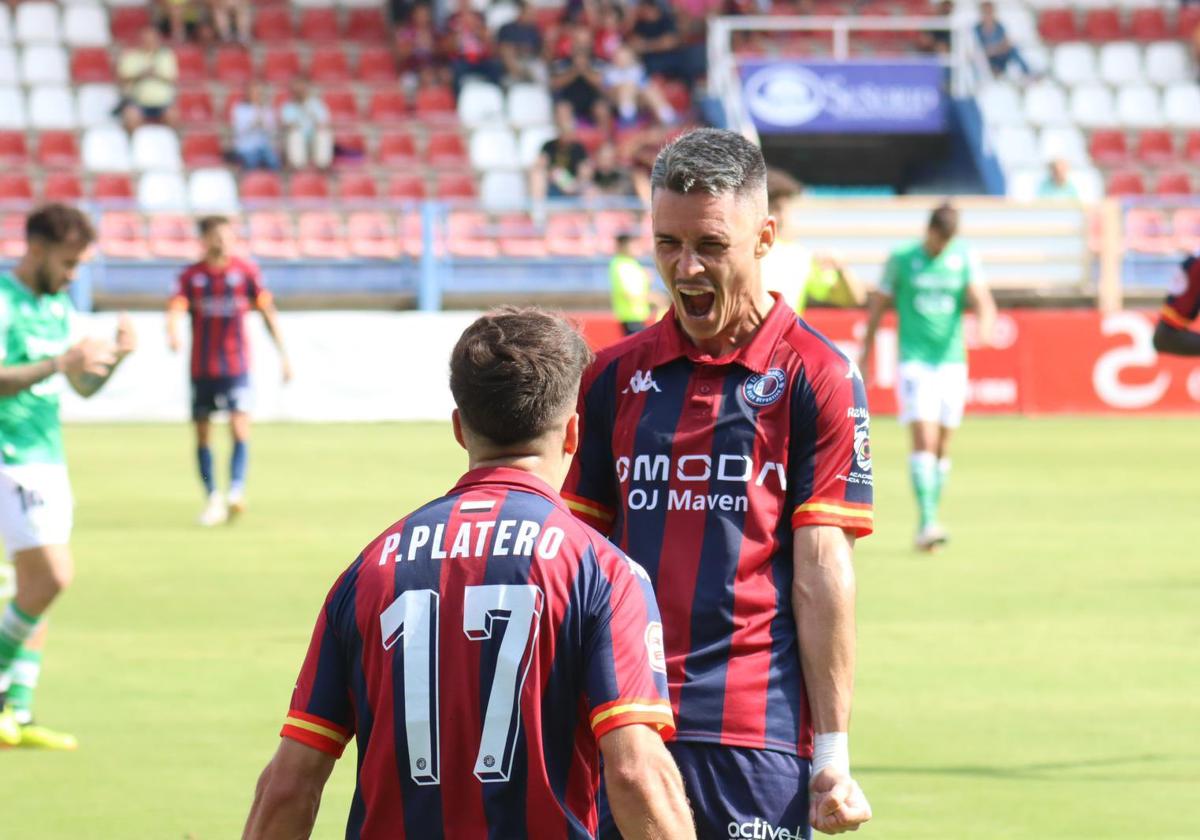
x=281, y=815
x=271, y=320
x=88, y=384
x=823, y=592
x=1177, y=342
x=18, y=378
x=651, y=805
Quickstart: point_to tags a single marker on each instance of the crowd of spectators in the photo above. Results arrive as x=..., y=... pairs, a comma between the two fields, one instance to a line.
x=204, y=20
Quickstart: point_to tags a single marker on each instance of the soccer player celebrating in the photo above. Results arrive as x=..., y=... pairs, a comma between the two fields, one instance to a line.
x=218, y=291
x=1173, y=334
x=930, y=282
x=726, y=449
x=483, y=647
x=36, y=507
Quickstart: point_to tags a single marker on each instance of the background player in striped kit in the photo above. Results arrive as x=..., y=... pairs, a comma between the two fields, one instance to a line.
x=726, y=448
x=497, y=590
x=1180, y=310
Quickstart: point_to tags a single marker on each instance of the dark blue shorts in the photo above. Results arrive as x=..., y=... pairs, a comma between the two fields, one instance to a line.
x=221, y=393
x=738, y=793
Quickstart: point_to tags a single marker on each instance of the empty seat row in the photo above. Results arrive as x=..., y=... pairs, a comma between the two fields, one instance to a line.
x=79, y=25
x=1174, y=182
x=1144, y=24
x=481, y=104
x=235, y=65
x=57, y=107
x=1098, y=106
x=1121, y=62
x=268, y=187
x=383, y=106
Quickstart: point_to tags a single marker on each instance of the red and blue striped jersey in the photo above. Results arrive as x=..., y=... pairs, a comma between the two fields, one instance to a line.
x=218, y=299
x=477, y=650
x=700, y=468
x=1182, y=306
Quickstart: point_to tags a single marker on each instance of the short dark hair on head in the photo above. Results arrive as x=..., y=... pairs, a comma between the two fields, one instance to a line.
x=515, y=372
x=710, y=160
x=208, y=224
x=944, y=220
x=780, y=187
x=59, y=223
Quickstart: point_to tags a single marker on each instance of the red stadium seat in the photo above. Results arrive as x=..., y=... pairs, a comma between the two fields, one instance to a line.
x=90, y=64
x=519, y=237
x=357, y=186
x=113, y=189
x=1173, y=182
x=570, y=235
x=366, y=25
x=397, y=149
x=233, y=65
x=58, y=150
x=202, y=148
x=1102, y=25
x=309, y=186
x=406, y=188
x=468, y=235
x=12, y=236
x=123, y=235
x=173, y=237
x=280, y=64
x=1191, y=147
x=446, y=150
x=1186, y=226
x=127, y=22
x=319, y=25
x=13, y=151
x=321, y=236
x=1186, y=21
x=195, y=107
x=329, y=65
x=375, y=64
x=387, y=106
x=1058, y=25
x=434, y=103
x=350, y=144
x=62, y=186
x=15, y=188
x=273, y=23
x=261, y=186
x=1148, y=231
x=1149, y=25
x=372, y=236
x=192, y=63
x=1108, y=147
x=1155, y=146
x=1126, y=182
x=272, y=236
x=451, y=186
x=342, y=105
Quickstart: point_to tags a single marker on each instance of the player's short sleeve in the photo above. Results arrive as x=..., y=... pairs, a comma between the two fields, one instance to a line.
x=890, y=280
x=625, y=667
x=321, y=712
x=1182, y=305
x=829, y=458
x=256, y=290
x=590, y=489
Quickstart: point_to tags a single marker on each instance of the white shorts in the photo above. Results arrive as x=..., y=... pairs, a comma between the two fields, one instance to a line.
x=36, y=506
x=932, y=393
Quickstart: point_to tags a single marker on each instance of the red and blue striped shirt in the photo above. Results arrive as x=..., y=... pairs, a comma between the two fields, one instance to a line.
x=1182, y=306
x=700, y=469
x=477, y=650
x=218, y=299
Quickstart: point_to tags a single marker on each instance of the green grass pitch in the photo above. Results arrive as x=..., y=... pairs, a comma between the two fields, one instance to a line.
x=1038, y=679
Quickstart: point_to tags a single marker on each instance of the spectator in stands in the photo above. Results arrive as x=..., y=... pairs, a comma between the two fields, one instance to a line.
x=469, y=46
x=937, y=41
x=419, y=60
x=609, y=178
x=179, y=19
x=993, y=39
x=148, y=73
x=578, y=81
x=655, y=37
x=1058, y=182
x=627, y=87
x=255, y=129
x=609, y=31
x=562, y=169
x=520, y=45
x=306, y=122
x=231, y=18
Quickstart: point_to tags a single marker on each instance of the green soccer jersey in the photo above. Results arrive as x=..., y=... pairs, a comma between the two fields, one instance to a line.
x=930, y=295
x=32, y=328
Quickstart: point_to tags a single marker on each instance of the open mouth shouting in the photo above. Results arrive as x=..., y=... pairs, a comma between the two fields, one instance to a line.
x=697, y=301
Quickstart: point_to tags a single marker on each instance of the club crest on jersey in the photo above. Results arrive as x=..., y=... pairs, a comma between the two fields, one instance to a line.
x=763, y=389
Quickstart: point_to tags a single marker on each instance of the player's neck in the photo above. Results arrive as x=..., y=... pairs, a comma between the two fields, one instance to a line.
x=547, y=469
x=216, y=262
x=741, y=331
x=25, y=275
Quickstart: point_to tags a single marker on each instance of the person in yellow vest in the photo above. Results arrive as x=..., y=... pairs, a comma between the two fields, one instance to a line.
x=792, y=270
x=633, y=300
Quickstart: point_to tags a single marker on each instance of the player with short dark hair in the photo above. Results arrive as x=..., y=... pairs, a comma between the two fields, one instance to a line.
x=1180, y=310
x=36, y=505
x=484, y=646
x=218, y=291
x=726, y=449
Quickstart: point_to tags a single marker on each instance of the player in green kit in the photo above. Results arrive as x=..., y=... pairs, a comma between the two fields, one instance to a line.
x=35, y=493
x=931, y=282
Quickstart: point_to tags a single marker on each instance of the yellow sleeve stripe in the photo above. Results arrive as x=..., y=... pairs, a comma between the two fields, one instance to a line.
x=836, y=510
x=588, y=510
x=1174, y=318
x=316, y=728
x=602, y=715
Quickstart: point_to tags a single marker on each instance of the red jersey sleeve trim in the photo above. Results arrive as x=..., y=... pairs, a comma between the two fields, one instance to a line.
x=590, y=511
x=315, y=732
x=178, y=303
x=653, y=711
x=1174, y=318
x=850, y=516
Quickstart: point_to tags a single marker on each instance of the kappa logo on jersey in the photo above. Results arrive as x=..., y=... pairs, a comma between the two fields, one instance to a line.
x=765, y=389
x=853, y=372
x=642, y=381
x=760, y=830
x=654, y=647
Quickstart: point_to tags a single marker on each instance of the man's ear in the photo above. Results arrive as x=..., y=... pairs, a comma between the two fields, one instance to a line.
x=571, y=438
x=766, y=237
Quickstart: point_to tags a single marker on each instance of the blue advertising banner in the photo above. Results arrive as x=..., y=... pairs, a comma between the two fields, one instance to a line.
x=853, y=97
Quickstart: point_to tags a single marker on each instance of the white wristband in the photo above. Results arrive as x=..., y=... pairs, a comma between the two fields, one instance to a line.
x=831, y=750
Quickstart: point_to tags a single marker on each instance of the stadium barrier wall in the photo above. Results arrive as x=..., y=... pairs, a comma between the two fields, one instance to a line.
x=387, y=366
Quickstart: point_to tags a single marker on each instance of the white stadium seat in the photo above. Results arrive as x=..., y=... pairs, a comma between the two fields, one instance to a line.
x=86, y=25
x=499, y=14
x=493, y=148
x=1181, y=105
x=37, y=23
x=1020, y=24
x=45, y=64
x=1001, y=104
x=1046, y=104
x=1167, y=63
x=1064, y=142
x=1092, y=107
x=96, y=103
x=12, y=109
x=1022, y=184
x=531, y=141
x=52, y=107
x=9, y=74
x=528, y=105
x=1089, y=183
x=156, y=148
x=1138, y=106
x=106, y=149
x=503, y=191
x=480, y=104
x=6, y=33
x=125, y=3
x=1016, y=146
x=1121, y=63
x=212, y=191
x=162, y=192
x=1074, y=63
